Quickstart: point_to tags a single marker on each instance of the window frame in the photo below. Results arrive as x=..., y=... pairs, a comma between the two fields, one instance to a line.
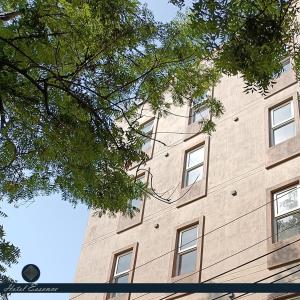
x=173, y=265
x=113, y=267
x=197, y=190
x=149, y=134
x=290, y=148
x=282, y=253
x=283, y=123
x=189, y=169
x=115, y=275
x=202, y=107
x=187, y=250
x=125, y=223
x=284, y=62
x=139, y=177
x=290, y=212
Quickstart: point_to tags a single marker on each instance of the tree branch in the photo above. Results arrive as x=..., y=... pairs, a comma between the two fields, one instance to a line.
x=2, y=114
x=9, y=16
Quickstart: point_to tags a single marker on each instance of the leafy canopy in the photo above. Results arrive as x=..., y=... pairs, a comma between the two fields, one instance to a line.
x=69, y=70
x=250, y=37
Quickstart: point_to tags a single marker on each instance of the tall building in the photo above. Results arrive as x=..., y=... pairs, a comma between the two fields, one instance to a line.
x=227, y=206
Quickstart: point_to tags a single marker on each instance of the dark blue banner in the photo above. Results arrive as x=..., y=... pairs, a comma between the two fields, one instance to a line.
x=150, y=288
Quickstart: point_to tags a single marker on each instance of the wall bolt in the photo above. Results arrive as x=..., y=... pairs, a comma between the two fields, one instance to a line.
x=233, y=192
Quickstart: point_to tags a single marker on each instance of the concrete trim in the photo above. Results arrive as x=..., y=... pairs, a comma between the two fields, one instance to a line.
x=194, y=276
x=198, y=189
x=289, y=254
x=134, y=248
x=282, y=297
x=124, y=222
x=288, y=149
x=177, y=296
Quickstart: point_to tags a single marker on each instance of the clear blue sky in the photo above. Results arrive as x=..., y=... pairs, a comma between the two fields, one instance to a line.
x=49, y=232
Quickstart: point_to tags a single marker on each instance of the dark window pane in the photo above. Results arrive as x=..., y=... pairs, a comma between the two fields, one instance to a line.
x=288, y=227
x=286, y=201
x=282, y=113
x=148, y=127
x=121, y=279
x=146, y=144
x=195, y=157
x=286, y=66
x=194, y=175
x=201, y=114
x=123, y=263
x=284, y=133
x=187, y=262
x=188, y=238
x=147, y=130
x=136, y=203
x=200, y=99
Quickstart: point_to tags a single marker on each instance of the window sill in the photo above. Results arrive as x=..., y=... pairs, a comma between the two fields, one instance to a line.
x=287, y=255
x=193, y=192
x=283, y=81
x=121, y=297
x=148, y=152
x=134, y=249
x=192, y=130
x=283, y=151
x=187, y=278
x=126, y=223
x=285, y=296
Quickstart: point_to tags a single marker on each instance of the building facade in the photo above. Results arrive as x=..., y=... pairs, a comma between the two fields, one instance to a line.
x=227, y=206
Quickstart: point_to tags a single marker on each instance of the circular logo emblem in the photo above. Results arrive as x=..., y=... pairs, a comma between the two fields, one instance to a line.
x=31, y=273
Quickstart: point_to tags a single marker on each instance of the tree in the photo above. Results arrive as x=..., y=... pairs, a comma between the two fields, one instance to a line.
x=247, y=37
x=8, y=253
x=69, y=70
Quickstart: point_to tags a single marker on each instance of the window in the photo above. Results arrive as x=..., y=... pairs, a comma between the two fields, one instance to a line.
x=135, y=209
x=194, y=166
x=199, y=112
x=187, y=250
x=282, y=123
x=147, y=130
x=286, y=213
x=136, y=204
x=122, y=269
x=286, y=65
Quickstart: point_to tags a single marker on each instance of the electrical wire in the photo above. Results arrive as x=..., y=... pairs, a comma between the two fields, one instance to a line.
x=113, y=231
x=230, y=256
x=280, y=295
x=268, y=277
x=230, y=222
x=225, y=272
x=165, y=210
x=180, y=141
x=258, y=281
x=220, y=227
x=228, y=271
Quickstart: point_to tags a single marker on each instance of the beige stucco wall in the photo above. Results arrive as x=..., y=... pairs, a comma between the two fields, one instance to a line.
x=237, y=157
